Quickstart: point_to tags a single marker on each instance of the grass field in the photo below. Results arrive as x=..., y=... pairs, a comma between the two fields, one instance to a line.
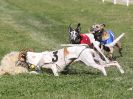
x=42, y=25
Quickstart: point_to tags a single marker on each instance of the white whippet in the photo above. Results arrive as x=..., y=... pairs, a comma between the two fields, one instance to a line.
x=58, y=60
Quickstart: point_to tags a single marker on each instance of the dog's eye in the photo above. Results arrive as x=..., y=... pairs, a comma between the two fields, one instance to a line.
x=76, y=33
x=97, y=27
x=23, y=56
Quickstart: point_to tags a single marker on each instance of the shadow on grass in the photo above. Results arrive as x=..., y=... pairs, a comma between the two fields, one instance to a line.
x=72, y=71
x=116, y=57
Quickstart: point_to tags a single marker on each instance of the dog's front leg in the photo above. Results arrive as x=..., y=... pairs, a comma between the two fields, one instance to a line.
x=54, y=69
x=119, y=67
x=34, y=72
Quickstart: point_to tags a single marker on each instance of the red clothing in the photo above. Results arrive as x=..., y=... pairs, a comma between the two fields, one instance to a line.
x=84, y=39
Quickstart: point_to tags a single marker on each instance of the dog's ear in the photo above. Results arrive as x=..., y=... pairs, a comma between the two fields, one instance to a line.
x=22, y=54
x=78, y=29
x=70, y=28
x=103, y=25
x=27, y=50
x=24, y=51
x=30, y=50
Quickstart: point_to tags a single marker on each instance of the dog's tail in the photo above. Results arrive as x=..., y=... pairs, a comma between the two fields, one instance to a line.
x=115, y=41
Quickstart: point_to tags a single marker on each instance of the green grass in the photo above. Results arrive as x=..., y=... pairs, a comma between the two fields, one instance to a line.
x=42, y=25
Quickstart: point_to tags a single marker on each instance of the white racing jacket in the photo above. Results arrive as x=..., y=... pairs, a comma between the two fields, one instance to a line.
x=38, y=59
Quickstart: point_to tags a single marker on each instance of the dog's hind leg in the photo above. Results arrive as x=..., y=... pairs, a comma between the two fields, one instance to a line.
x=111, y=53
x=118, y=44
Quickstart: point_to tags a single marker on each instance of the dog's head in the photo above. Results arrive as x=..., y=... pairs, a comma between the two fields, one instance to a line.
x=97, y=28
x=74, y=34
x=22, y=58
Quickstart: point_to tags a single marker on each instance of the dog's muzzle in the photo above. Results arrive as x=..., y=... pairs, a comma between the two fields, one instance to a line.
x=18, y=63
x=21, y=63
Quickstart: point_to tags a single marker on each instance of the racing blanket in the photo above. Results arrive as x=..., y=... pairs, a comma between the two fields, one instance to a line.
x=108, y=37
